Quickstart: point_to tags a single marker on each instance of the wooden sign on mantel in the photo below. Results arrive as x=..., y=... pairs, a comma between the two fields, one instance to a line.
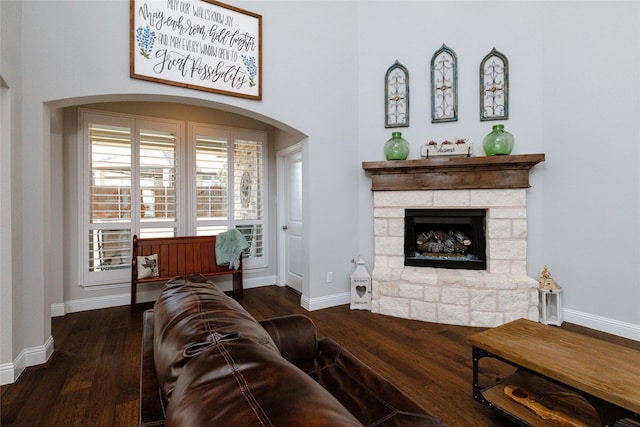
x=452, y=173
x=197, y=44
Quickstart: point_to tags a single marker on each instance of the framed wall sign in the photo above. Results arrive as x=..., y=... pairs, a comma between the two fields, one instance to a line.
x=198, y=44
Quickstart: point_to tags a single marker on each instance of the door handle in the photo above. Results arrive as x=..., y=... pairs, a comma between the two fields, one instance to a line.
x=284, y=227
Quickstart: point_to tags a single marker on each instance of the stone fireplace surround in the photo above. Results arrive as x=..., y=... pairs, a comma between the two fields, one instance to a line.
x=483, y=298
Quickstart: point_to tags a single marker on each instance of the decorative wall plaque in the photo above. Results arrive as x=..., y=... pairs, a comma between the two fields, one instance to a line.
x=494, y=87
x=197, y=44
x=444, y=86
x=396, y=91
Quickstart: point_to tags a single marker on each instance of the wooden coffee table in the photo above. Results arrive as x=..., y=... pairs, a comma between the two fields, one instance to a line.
x=556, y=363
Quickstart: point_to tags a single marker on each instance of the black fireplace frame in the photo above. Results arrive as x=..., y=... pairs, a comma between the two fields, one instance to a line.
x=473, y=219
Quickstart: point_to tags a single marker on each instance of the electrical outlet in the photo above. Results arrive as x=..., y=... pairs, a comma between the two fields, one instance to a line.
x=329, y=276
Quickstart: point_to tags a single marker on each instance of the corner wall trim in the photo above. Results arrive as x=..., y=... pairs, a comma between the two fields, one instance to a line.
x=9, y=372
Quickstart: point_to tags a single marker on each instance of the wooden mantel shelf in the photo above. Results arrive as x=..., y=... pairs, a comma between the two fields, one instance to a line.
x=453, y=173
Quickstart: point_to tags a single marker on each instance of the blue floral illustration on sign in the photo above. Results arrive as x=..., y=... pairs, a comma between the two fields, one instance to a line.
x=252, y=68
x=146, y=39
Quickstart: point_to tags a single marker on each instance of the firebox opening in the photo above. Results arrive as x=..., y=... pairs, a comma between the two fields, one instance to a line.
x=445, y=238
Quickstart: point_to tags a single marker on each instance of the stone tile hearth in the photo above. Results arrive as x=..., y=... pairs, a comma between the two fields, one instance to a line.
x=455, y=296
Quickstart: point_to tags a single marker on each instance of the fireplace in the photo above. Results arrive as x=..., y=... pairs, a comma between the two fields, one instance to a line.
x=476, y=197
x=445, y=238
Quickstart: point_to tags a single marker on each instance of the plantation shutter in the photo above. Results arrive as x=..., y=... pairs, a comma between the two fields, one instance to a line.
x=109, y=224
x=229, y=193
x=212, y=186
x=248, y=193
x=158, y=207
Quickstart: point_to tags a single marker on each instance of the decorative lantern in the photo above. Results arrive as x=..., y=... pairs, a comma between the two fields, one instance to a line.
x=550, y=300
x=360, y=287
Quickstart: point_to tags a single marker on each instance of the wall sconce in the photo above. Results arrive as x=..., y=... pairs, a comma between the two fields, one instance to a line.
x=549, y=300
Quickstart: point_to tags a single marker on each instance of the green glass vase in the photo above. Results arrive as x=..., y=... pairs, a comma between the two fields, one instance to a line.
x=396, y=148
x=498, y=142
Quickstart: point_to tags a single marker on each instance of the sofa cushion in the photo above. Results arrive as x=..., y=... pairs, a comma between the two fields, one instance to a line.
x=192, y=314
x=239, y=383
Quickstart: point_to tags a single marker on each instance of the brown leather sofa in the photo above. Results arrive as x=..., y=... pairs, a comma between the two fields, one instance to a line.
x=207, y=362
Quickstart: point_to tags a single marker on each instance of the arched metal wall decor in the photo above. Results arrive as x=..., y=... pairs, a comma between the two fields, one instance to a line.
x=444, y=86
x=396, y=94
x=494, y=87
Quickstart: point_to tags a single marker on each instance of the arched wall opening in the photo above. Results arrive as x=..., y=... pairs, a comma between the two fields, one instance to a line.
x=67, y=293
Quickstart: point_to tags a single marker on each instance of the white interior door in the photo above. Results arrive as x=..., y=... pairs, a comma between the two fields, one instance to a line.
x=291, y=220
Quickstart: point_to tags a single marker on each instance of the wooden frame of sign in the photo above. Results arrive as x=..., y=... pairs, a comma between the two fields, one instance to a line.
x=197, y=44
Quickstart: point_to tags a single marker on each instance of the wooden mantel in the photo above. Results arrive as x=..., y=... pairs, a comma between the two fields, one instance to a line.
x=452, y=173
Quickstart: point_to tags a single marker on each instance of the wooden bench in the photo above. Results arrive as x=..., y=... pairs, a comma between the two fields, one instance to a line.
x=180, y=256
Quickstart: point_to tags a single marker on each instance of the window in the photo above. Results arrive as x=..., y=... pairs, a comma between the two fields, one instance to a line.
x=137, y=183
x=108, y=200
x=157, y=173
x=222, y=203
x=212, y=184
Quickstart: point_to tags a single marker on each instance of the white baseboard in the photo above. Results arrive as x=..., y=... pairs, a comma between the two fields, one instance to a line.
x=85, y=304
x=9, y=372
x=57, y=309
x=604, y=324
x=319, y=303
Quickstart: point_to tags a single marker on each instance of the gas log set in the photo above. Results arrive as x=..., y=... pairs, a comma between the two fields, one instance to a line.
x=441, y=243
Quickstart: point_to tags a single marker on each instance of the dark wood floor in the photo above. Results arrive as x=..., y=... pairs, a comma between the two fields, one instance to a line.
x=92, y=379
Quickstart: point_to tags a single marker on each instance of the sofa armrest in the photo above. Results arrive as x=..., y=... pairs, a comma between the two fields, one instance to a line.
x=152, y=408
x=294, y=335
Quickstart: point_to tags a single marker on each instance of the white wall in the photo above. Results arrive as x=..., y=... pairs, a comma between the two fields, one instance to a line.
x=12, y=322
x=574, y=91
x=591, y=133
